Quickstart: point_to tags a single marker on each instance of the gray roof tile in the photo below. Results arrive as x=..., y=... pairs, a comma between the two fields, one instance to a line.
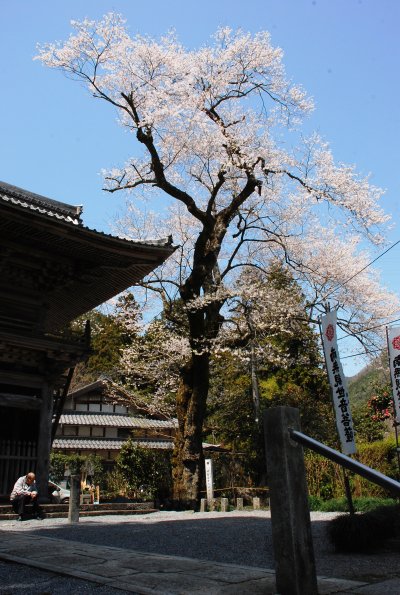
x=65, y=212
x=107, y=444
x=41, y=204
x=113, y=420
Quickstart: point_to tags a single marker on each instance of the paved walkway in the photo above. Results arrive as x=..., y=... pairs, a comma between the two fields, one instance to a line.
x=142, y=573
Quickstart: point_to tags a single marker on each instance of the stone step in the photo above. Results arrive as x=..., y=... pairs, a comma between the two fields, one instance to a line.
x=11, y=516
x=141, y=506
x=103, y=508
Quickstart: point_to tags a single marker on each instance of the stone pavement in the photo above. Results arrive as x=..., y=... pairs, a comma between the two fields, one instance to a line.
x=155, y=574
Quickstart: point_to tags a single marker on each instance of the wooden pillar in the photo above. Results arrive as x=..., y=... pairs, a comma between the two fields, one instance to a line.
x=290, y=516
x=44, y=442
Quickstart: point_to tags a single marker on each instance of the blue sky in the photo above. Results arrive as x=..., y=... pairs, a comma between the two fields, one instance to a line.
x=55, y=139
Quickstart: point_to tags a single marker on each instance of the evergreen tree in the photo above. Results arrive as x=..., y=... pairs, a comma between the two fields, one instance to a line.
x=233, y=415
x=108, y=338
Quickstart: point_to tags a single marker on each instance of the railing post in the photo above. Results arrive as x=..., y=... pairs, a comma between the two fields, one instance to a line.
x=290, y=516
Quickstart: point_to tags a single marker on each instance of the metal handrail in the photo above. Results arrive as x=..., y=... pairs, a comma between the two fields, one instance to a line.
x=380, y=479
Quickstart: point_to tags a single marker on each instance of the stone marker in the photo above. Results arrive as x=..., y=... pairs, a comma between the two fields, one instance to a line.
x=209, y=481
x=203, y=505
x=74, y=497
x=224, y=504
x=256, y=503
x=239, y=503
x=214, y=504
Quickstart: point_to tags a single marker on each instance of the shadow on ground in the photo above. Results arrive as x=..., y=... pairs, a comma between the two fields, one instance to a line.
x=245, y=541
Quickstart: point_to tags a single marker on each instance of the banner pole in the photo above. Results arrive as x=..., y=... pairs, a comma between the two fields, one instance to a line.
x=347, y=488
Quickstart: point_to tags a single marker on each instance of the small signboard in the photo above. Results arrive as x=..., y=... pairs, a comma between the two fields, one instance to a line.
x=209, y=481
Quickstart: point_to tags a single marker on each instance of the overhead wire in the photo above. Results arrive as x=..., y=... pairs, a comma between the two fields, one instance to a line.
x=373, y=327
x=367, y=352
x=361, y=270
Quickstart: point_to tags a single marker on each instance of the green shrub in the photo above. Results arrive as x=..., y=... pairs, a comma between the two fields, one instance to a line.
x=76, y=464
x=354, y=533
x=371, y=503
x=335, y=505
x=147, y=473
x=381, y=456
x=325, y=478
x=366, y=531
x=314, y=502
x=116, y=485
x=342, y=505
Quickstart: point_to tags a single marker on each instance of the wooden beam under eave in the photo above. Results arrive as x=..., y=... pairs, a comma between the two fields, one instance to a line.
x=20, y=401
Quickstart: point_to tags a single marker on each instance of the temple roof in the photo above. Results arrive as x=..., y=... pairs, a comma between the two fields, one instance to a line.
x=64, y=269
x=41, y=204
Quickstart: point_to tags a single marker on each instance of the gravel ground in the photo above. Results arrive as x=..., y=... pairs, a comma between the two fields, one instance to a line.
x=238, y=537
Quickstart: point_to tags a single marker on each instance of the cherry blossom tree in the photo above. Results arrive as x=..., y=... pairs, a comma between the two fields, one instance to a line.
x=212, y=130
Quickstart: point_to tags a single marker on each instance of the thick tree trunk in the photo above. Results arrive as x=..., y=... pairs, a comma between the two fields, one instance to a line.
x=203, y=322
x=188, y=465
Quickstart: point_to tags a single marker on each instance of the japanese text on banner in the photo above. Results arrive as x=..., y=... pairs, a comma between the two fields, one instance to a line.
x=393, y=335
x=338, y=383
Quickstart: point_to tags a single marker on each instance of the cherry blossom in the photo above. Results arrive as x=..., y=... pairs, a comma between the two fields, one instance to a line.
x=217, y=138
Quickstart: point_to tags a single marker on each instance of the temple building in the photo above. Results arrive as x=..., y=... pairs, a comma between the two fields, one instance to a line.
x=53, y=269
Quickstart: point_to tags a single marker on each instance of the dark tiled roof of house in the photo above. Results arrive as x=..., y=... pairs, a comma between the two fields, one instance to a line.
x=115, y=420
x=107, y=444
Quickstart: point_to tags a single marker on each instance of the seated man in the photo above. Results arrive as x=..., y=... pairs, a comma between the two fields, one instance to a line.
x=25, y=492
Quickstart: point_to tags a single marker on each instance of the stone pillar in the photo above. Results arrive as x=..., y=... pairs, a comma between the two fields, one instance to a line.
x=203, y=505
x=74, y=498
x=224, y=504
x=290, y=516
x=213, y=505
x=256, y=503
x=239, y=503
x=44, y=442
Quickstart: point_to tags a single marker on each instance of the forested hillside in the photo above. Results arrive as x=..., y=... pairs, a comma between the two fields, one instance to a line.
x=361, y=385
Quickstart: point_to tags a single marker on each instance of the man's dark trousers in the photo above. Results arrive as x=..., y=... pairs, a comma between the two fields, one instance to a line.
x=20, y=502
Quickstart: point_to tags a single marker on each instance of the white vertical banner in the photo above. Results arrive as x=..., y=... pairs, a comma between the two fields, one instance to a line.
x=338, y=382
x=209, y=481
x=393, y=339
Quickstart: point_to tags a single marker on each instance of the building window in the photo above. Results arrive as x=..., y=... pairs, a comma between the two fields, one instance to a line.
x=94, y=407
x=123, y=433
x=70, y=430
x=97, y=431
